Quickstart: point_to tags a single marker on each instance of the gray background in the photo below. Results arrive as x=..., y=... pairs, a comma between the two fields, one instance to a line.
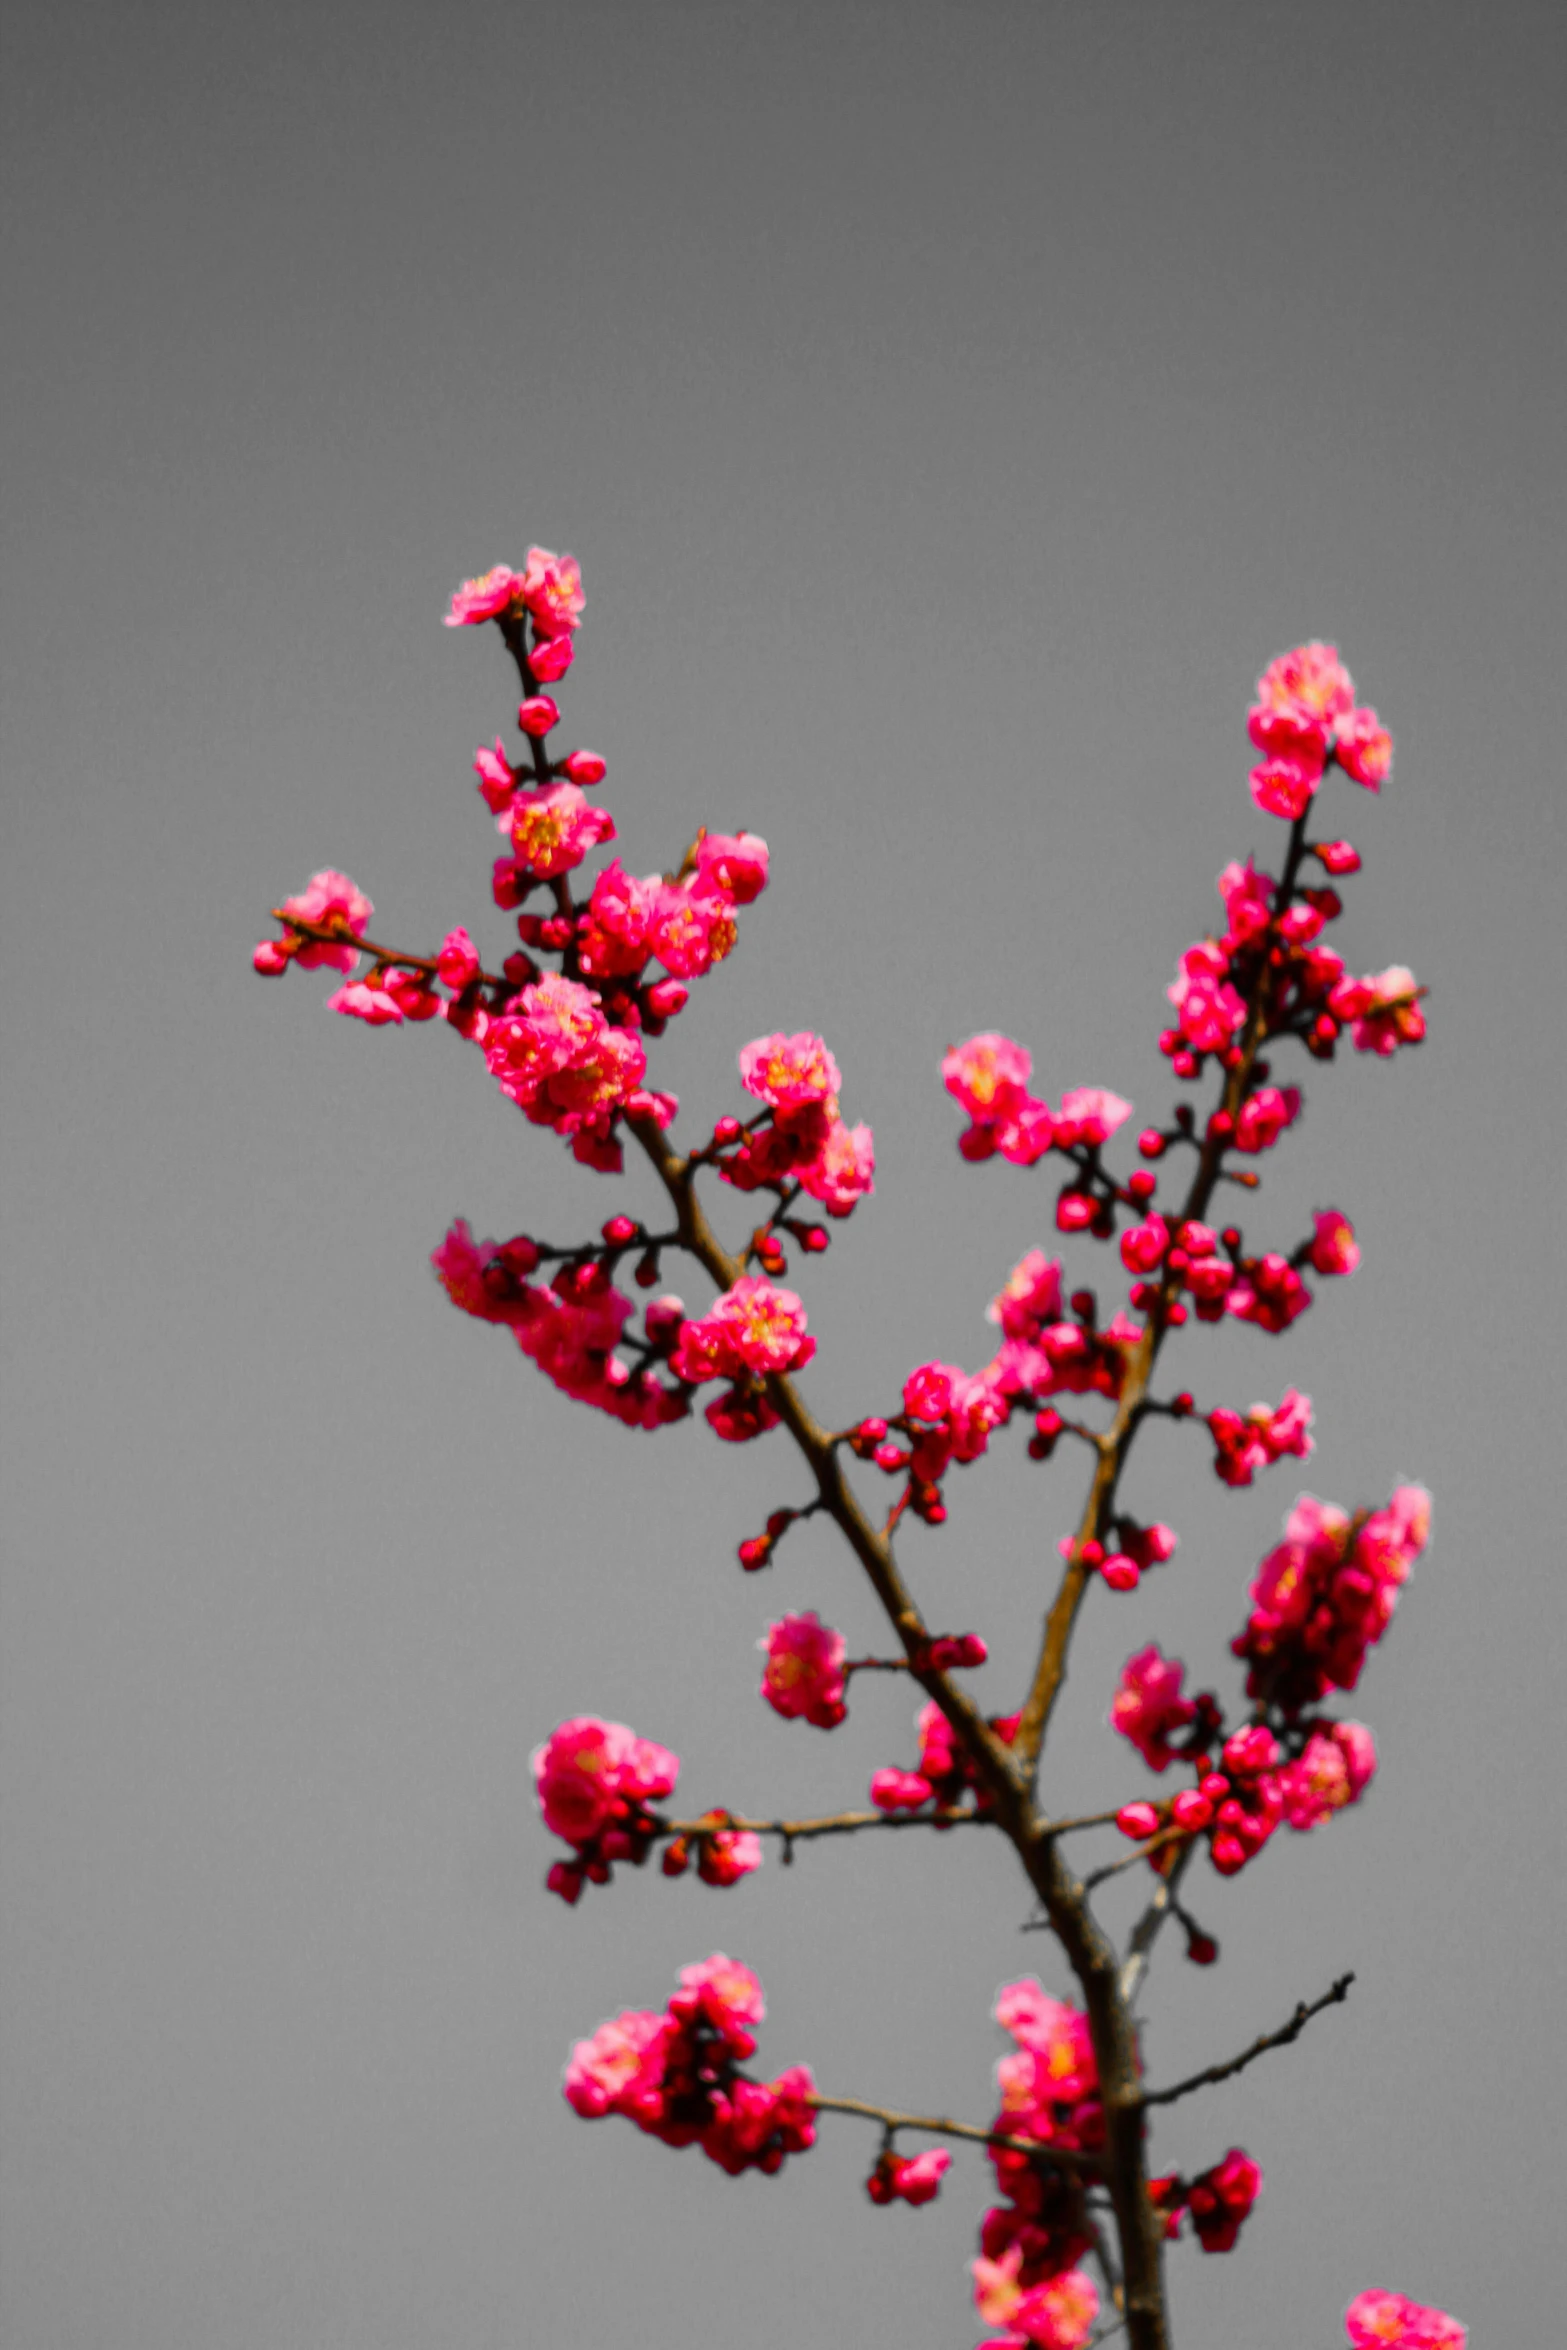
x=952, y=409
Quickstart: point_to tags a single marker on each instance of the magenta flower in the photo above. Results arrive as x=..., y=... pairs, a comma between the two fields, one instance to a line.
x=789, y=1072
x=1388, y=2321
x=1334, y=1249
x=804, y=1677
x=485, y=598
x=551, y=588
x=1148, y=1705
x=332, y=900
x=553, y=829
x=752, y=1327
x=1364, y=749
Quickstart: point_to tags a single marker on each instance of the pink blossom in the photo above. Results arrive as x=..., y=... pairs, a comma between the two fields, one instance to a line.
x=733, y=863
x=553, y=829
x=271, y=959
x=1089, y=1114
x=1326, y=1595
x=1032, y=1296
x=362, y=1001
x=915, y=2180
x=1334, y=1769
x=1364, y=749
x=804, y=1677
x=894, y=1790
x=1284, y=786
x=1248, y=902
x=1301, y=696
x=1211, y=1012
x=614, y=939
x=1384, y=1010
x=1148, y=1705
x=587, y=1772
x=1242, y=1446
x=1388, y=2321
x=621, y=2068
x=724, y=1994
x=843, y=1169
x=584, y=767
x=728, y=1854
x=986, y=1075
x=1268, y=1291
x=691, y=930
x=458, y=962
x=1056, y=2314
x=1221, y=2198
x=498, y=778
x=551, y=588
x=1143, y=1246
x=1264, y=1116
x=537, y=715
x=485, y=598
x=1054, y=2036
x=549, y=660
x=331, y=902
x=752, y=1327
x=1334, y=1249
x=789, y=1072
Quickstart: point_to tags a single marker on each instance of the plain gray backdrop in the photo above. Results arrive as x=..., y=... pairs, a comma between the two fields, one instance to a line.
x=952, y=408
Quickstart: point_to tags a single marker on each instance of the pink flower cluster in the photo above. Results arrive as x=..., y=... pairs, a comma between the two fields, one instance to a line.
x=750, y=1333
x=1148, y=1707
x=1255, y=1789
x=676, y=2074
x=944, y=1775
x=595, y=1781
x=950, y=1414
x=549, y=591
x=555, y=1055
x=687, y=924
x=1027, y=2278
x=1303, y=716
x=804, y=1677
x=1388, y=2321
x=803, y=1140
x=1382, y=1012
x=571, y=1329
x=988, y=1077
x=1218, y=2200
x=1326, y=1595
x=1243, y=1446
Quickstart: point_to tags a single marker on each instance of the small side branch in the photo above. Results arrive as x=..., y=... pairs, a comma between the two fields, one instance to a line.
x=844, y=1823
x=937, y=2126
x=1237, y=2064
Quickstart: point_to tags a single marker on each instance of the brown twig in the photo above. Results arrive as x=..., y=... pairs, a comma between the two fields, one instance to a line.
x=1237, y=2064
x=1062, y=2158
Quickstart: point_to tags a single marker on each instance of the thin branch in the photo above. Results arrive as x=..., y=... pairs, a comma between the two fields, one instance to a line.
x=1062, y=2158
x=1116, y=1868
x=1050, y=1670
x=1282, y=2038
x=1145, y=1933
x=845, y=1823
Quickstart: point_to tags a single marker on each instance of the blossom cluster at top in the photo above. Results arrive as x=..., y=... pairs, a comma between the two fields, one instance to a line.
x=676, y=2074
x=1303, y=718
x=566, y=1045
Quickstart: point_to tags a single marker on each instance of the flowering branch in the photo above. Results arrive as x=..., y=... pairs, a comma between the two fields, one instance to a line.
x=568, y=1045
x=1282, y=2038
